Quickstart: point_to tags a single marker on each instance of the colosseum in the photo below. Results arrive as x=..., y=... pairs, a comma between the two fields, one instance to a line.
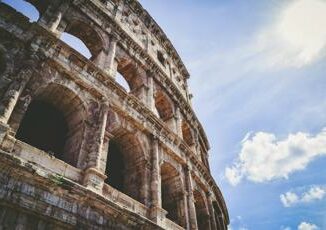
x=80, y=151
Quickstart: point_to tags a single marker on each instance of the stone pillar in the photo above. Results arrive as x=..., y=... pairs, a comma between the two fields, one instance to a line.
x=150, y=91
x=211, y=211
x=141, y=93
x=56, y=19
x=104, y=151
x=157, y=214
x=171, y=122
x=156, y=175
x=100, y=59
x=110, y=65
x=144, y=192
x=178, y=122
x=10, y=98
x=190, y=200
x=94, y=175
x=105, y=59
x=183, y=209
x=118, y=11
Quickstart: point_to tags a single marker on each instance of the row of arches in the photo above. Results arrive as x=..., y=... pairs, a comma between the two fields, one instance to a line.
x=55, y=122
x=90, y=43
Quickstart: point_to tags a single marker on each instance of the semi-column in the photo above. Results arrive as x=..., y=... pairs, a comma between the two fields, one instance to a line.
x=110, y=65
x=178, y=122
x=56, y=19
x=150, y=91
x=95, y=171
x=12, y=95
x=157, y=214
x=211, y=211
x=191, y=201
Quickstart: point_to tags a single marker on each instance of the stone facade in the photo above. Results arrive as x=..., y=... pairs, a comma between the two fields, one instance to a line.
x=77, y=151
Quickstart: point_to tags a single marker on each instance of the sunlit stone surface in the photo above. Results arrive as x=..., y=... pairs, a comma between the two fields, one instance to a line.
x=80, y=151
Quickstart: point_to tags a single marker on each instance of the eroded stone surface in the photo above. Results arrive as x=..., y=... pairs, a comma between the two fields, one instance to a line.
x=126, y=160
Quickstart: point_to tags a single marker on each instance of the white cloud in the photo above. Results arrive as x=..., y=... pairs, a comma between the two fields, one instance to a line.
x=289, y=198
x=307, y=226
x=297, y=36
x=285, y=228
x=315, y=193
x=263, y=157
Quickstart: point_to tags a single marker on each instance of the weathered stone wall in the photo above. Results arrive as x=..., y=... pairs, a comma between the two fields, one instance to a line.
x=163, y=178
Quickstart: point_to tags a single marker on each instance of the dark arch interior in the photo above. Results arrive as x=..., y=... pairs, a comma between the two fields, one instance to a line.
x=170, y=207
x=44, y=127
x=2, y=63
x=171, y=197
x=163, y=106
x=115, y=166
x=186, y=134
x=125, y=167
x=218, y=215
x=129, y=71
x=202, y=220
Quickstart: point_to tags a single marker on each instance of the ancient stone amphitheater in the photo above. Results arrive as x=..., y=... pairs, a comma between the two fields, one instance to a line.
x=79, y=151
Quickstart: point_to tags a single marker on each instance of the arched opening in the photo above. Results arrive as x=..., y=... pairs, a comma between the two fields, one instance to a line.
x=84, y=39
x=163, y=106
x=125, y=166
x=201, y=211
x=115, y=166
x=76, y=44
x=218, y=215
x=161, y=58
x=44, y=127
x=130, y=73
x=122, y=81
x=187, y=134
x=172, y=197
x=25, y=8
x=54, y=123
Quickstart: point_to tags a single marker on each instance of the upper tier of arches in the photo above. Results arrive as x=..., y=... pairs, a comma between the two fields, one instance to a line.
x=136, y=77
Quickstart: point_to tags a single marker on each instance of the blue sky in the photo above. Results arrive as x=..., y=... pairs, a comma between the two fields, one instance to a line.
x=258, y=78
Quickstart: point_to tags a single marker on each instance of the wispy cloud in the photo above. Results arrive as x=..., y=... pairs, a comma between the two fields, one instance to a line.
x=314, y=193
x=263, y=157
x=296, y=38
x=307, y=226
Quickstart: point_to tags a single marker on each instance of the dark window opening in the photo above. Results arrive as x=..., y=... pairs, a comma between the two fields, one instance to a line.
x=172, y=200
x=187, y=134
x=2, y=63
x=201, y=211
x=125, y=167
x=200, y=217
x=218, y=216
x=44, y=127
x=170, y=206
x=161, y=58
x=115, y=166
x=163, y=106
